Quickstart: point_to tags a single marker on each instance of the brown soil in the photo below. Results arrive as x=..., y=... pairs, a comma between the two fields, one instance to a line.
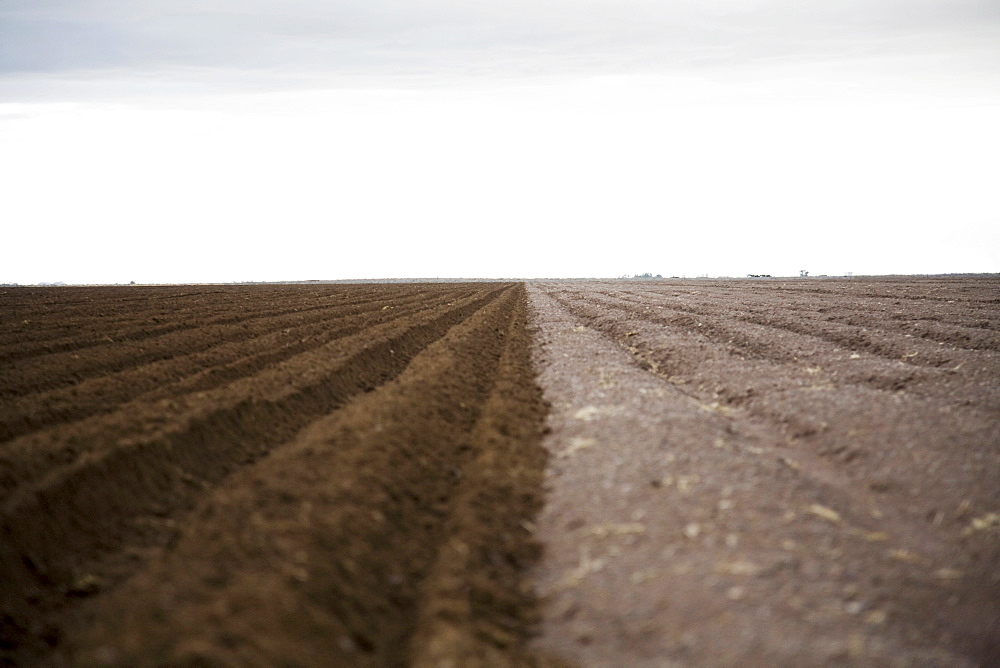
x=267, y=475
x=746, y=472
x=771, y=472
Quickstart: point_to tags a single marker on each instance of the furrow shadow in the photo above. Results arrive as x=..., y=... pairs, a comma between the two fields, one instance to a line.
x=158, y=471
x=198, y=371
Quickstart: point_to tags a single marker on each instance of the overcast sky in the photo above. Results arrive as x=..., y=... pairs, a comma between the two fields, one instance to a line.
x=225, y=141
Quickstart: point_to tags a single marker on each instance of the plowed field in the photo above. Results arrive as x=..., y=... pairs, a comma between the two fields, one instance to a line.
x=772, y=472
x=264, y=475
x=760, y=472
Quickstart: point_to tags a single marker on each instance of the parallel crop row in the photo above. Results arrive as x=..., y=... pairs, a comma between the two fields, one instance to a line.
x=125, y=408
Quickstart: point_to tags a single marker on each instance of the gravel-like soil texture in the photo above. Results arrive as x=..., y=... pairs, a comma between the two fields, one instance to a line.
x=771, y=472
x=267, y=475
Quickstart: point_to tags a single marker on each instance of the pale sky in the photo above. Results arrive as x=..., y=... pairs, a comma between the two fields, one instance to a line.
x=227, y=141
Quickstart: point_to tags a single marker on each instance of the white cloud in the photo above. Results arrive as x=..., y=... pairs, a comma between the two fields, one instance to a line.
x=568, y=180
x=219, y=141
x=384, y=37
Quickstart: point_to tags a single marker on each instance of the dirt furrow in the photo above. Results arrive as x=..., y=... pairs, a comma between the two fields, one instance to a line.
x=730, y=333
x=906, y=320
x=118, y=353
x=772, y=472
x=43, y=329
x=198, y=371
x=391, y=532
x=974, y=320
x=27, y=458
x=152, y=460
x=810, y=396
x=150, y=317
x=814, y=522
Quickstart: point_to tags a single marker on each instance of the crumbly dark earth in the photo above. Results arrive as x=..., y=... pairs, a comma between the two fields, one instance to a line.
x=268, y=475
x=791, y=472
